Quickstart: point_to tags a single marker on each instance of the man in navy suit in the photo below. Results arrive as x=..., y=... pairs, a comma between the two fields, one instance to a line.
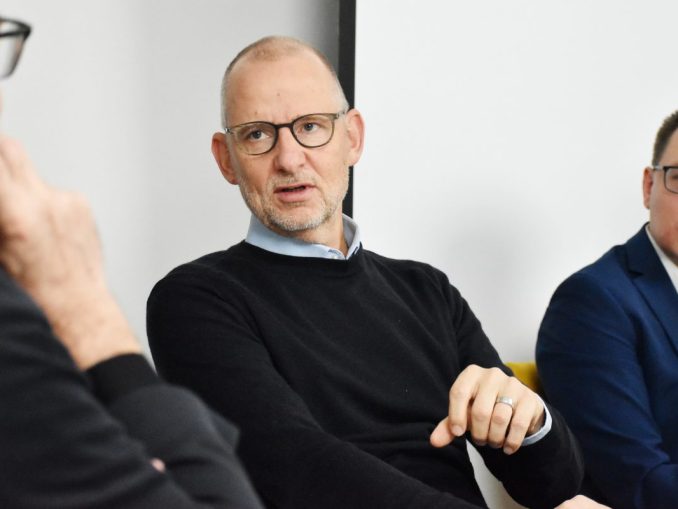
x=608, y=350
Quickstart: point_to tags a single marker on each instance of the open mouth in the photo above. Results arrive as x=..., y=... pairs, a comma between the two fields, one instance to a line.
x=292, y=189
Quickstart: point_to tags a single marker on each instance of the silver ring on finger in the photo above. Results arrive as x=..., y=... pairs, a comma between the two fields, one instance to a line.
x=504, y=400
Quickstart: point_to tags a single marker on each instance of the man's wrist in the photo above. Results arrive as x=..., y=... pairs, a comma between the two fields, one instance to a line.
x=541, y=432
x=93, y=329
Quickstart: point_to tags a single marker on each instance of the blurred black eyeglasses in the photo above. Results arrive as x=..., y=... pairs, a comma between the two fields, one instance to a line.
x=13, y=34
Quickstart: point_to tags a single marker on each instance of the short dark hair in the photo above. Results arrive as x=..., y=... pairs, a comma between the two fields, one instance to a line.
x=669, y=126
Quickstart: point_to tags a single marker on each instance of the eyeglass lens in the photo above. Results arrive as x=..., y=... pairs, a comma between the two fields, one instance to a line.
x=671, y=179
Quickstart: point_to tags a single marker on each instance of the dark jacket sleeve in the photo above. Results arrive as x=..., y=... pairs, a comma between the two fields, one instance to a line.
x=291, y=458
x=588, y=340
x=62, y=448
x=543, y=474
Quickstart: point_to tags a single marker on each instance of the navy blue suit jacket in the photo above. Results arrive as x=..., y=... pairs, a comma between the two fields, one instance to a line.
x=607, y=354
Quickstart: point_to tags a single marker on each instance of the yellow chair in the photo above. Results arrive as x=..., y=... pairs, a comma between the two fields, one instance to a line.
x=526, y=372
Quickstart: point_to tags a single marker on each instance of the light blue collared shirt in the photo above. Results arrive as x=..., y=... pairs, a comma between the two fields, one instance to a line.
x=260, y=236
x=548, y=422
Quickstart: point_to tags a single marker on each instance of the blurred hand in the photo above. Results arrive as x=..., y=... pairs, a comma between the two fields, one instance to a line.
x=49, y=245
x=474, y=408
x=159, y=465
x=581, y=502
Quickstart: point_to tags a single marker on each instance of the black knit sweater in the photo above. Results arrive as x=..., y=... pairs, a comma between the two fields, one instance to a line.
x=336, y=372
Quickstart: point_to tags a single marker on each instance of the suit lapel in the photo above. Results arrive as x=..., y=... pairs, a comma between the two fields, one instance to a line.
x=653, y=283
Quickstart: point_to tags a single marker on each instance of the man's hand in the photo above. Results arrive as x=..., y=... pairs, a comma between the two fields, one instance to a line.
x=496, y=409
x=581, y=502
x=49, y=245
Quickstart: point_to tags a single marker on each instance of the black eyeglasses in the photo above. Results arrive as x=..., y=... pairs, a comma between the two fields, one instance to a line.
x=670, y=177
x=310, y=131
x=13, y=34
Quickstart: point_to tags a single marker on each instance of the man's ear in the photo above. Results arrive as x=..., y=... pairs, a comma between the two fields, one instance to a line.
x=221, y=154
x=648, y=181
x=355, y=128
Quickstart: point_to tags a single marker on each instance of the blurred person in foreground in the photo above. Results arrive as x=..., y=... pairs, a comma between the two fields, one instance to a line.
x=85, y=422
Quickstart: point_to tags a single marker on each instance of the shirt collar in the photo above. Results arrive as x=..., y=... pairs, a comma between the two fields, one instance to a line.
x=671, y=268
x=260, y=236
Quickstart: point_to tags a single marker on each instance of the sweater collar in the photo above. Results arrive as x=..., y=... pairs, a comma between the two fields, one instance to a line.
x=260, y=236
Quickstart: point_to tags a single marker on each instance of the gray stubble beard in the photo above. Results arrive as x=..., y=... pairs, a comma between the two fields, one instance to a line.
x=272, y=219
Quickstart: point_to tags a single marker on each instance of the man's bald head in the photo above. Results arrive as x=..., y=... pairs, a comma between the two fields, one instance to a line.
x=272, y=49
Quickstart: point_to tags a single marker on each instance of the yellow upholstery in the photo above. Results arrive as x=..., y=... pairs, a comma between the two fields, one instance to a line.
x=526, y=372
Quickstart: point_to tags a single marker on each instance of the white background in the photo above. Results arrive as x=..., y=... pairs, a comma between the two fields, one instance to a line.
x=506, y=140
x=118, y=99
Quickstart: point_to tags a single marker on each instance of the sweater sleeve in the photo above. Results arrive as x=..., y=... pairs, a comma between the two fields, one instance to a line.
x=207, y=343
x=120, y=375
x=61, y=448
x=540, y=475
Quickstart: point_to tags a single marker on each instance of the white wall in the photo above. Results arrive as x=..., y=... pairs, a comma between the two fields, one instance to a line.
x=119, y=99
x=506, y=141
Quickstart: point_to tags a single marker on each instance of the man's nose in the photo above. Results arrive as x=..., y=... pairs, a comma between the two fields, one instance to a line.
x=289, y=153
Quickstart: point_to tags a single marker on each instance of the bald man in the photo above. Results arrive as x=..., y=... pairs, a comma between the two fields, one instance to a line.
x=357, y=380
